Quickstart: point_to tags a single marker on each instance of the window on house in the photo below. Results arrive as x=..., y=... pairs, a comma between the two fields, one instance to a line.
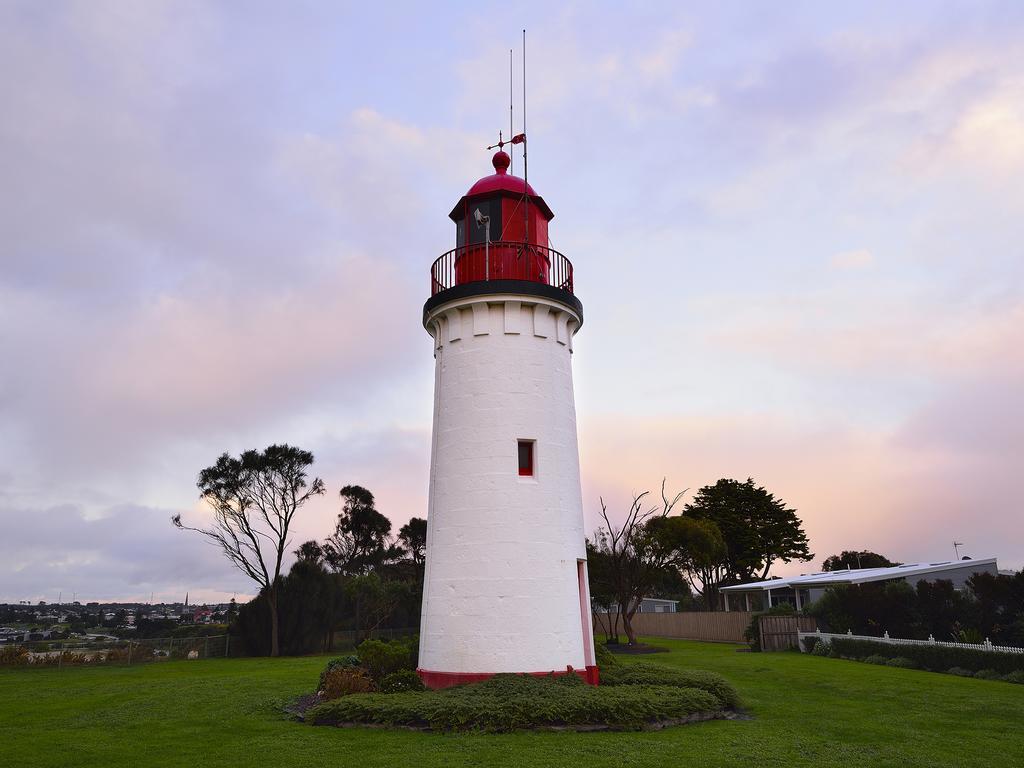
x=526, y=458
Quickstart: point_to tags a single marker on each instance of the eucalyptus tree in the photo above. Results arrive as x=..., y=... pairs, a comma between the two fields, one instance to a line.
x=254, y=499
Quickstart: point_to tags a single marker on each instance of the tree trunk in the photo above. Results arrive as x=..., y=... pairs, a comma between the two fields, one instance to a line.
x=627, y=625
x=275, y=648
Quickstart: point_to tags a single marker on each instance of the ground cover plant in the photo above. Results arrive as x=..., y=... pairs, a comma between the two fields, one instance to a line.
x=379, y=686
x=513, y=702
x=806, y=713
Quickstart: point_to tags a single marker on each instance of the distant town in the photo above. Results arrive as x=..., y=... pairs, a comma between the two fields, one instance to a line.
x=28, y=622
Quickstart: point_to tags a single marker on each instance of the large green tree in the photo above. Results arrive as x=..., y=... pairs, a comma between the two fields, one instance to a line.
x=850, y=558
x=757, y=528
x=254, y=499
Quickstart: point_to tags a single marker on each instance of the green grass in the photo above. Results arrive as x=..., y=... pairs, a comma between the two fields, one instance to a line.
x=808, y=711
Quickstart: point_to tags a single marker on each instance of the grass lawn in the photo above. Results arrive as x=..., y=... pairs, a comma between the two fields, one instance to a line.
x=808, y=711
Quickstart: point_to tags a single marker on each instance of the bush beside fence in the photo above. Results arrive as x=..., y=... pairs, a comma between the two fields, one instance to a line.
x=934, y=656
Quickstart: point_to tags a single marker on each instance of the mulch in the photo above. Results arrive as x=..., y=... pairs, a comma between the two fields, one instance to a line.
x=631, y=650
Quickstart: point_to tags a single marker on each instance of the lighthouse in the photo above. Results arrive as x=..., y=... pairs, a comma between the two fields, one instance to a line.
x=505, y=588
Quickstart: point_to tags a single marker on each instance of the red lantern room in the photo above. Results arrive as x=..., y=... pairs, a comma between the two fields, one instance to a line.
x=501, y=234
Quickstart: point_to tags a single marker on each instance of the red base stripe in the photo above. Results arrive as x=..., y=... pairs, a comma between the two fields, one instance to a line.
x=436, y=680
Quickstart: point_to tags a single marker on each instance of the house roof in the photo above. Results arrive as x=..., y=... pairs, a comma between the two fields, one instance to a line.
x=859, y=575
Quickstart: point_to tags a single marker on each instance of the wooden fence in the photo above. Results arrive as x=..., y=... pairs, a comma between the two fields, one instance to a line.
x=780, y=633
x=716, y=626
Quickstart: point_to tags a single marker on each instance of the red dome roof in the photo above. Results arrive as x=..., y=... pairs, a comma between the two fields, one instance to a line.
x=501, y=180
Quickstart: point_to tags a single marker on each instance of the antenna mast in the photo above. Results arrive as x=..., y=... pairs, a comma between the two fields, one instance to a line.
x=511, y=91
x=526, y=174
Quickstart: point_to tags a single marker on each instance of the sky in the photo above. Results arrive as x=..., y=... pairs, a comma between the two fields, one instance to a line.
x=796, y=228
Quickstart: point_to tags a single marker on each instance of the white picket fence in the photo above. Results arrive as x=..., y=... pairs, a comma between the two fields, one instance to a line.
x=986, y=646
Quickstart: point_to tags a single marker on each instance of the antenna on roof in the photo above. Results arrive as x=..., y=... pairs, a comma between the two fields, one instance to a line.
x=956, y=548
x=511, y=130
x=526, y=174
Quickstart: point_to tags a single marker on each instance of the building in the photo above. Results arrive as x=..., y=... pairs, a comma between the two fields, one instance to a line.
x=647, y=605
x=803, y=590
x=506, y=587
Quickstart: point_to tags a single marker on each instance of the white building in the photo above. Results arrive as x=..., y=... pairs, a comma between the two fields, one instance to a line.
x=505, y=588
x=803, y=590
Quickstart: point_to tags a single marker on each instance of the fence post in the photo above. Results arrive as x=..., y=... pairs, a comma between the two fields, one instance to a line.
x=227, y=641
x=170, y=649
x=206, y=648
x=60, y=659
x=129, y=653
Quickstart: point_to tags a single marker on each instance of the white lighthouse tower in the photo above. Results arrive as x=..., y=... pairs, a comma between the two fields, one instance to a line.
x=506, y=574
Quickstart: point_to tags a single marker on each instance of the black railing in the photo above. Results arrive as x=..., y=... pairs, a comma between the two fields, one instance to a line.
x=500, y=260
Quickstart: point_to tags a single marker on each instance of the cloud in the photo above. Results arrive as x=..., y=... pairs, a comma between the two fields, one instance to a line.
x=125, y=553
x=853, y=487
x=858, y=259
x=219, y=226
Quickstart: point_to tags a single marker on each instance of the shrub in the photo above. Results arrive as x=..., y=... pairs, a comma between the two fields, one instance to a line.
x=605, y=658
x=115, y=655
x=509, y=702
x=14, y=655
x=642, y=673
x=876, y=659
x=401, y=681
x=341, y=662
x=959, y=672
x=1014, y=677
x=902, y=662
x=344, y=681
x=821, y=649
x=987, y=674
x=412, y=642
x=382, y=658
x=808, y=644
x=934, y=657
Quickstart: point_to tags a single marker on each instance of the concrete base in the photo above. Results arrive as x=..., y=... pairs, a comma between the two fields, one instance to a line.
x=437, y=680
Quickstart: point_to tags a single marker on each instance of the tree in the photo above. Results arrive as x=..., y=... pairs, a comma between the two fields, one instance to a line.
x=310, y=552
x=757, y=528
x=413, y=537
x=651, y=542
x=854, y=559
x=360, y=541
x=254, y=499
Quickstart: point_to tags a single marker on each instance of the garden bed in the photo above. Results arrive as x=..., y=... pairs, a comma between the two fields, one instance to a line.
x=519, y=702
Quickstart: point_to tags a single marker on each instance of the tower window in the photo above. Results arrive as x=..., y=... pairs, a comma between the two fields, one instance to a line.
x=526, y=458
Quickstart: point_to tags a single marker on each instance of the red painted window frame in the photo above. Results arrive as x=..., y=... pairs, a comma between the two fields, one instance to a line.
x=526, y=470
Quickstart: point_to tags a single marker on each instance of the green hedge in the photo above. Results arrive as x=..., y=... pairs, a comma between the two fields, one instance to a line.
x=937, y=658
x=381, y=658
x=654, y=674
x=510, y=702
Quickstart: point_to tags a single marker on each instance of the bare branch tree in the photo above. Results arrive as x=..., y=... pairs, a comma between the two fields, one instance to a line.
x=649, y=542
x=254, y=499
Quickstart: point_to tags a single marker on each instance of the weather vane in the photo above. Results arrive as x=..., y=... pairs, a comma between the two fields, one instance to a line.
x=519, y=138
